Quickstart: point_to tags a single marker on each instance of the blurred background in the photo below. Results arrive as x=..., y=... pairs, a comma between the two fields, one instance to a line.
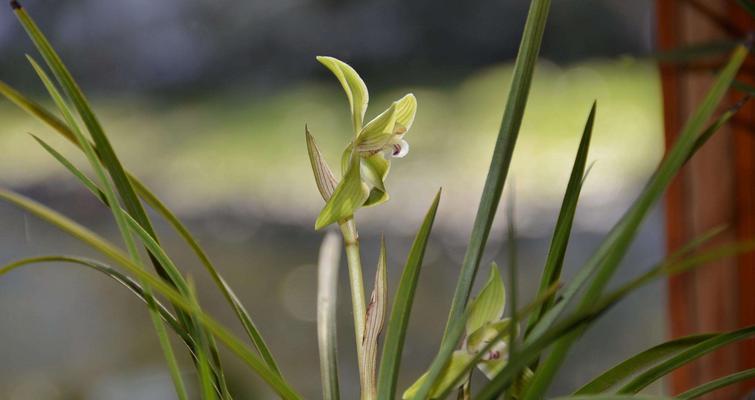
x=207, y=101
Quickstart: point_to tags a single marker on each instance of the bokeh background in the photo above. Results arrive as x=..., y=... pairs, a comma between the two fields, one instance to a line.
x=207, y=101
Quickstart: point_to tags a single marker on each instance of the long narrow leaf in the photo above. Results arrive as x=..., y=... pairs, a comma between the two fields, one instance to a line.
x=555, y=261
x=393, y=344
x=504, y=148
x=717, y=384
x=646, y=378
x=158, y=284
x=606, y=259
x=534, y=345
x=119, y=216
x=154, y=202
x=639, y=362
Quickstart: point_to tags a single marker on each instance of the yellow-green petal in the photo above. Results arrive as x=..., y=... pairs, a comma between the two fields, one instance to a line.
x=374, y=171
x=378, y=132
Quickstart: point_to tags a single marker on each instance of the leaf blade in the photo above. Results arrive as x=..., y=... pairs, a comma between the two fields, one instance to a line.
x=399, y=318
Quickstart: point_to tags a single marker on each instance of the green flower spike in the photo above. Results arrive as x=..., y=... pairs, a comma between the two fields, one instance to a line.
x=484, y=324
x=364, y=165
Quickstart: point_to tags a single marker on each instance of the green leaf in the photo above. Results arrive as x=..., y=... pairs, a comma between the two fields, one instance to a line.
x=458, y=360
x=179, y=300
x=646, y=378
x=602, y=265
x=534, y=345
x=717, y=384
x=202, y=349
x=375, y=319
x=555, y=261
x=695, y=52
x=489, y=304
x=324, y=178
x=80, y=103
x=123, y=279
x=639, y=362
x=744, y=87
x=353, y=85
x=119, y=216
x=155, y=203
x=393, y=344
x=350, y=194
x=504, y=148
x=440, y=370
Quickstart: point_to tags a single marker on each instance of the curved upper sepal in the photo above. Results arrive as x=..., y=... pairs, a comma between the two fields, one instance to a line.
x=352, y=84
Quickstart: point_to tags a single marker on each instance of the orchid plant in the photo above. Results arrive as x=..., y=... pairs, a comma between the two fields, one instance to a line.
x=518, y=363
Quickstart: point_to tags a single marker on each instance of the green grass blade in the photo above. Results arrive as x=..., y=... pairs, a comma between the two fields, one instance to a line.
x=560, y=239
x=108, y=271
x=694, y=52
x=639, y=362
x=402, y=307
x=327, y=299
x=717, y=384
x=119, y=216
x=718, y=123
x=604, y=262
x=534, y=345
x=156, y=203
x=102, y=143
x=241, y=313
x=744, y=87
x=659, y=371
x=179, y=300
x=513, y=270
x=504, y=148
x=74, y=170
x=203, y=361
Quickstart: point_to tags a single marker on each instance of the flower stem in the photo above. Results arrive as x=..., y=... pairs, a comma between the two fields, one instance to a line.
x=354, y=259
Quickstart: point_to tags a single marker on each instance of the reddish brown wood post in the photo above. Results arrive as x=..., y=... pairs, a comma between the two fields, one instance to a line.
x=716, y=188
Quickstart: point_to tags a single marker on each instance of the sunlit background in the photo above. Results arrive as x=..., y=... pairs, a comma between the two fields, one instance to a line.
x=207, y=101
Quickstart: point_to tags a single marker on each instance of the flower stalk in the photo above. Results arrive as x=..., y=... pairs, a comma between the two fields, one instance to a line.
x=356, y=282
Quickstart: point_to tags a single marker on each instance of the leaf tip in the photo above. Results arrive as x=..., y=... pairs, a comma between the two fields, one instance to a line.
x=15, y=5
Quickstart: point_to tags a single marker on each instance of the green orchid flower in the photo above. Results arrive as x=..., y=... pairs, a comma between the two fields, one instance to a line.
x=366, y=161
x=484, y=324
